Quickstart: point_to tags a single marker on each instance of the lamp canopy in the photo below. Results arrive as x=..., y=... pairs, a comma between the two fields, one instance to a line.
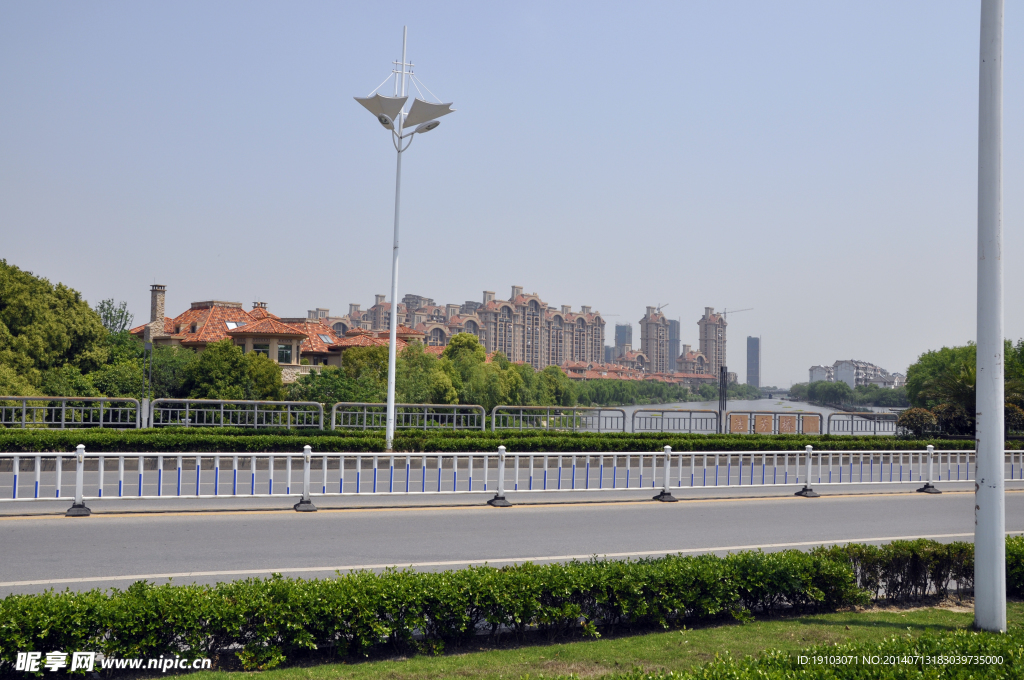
x=421, y=111
x=379, y=104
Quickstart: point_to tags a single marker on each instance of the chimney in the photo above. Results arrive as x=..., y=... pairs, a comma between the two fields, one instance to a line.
x=353, y=310
x=378, y=299
x=566, y=309
x=516, y=292
x=650, y=312
x=156, y=302
x=488, y=296
x=451, y=310
x=708, y=311
x=585, y=309
x=259, y=305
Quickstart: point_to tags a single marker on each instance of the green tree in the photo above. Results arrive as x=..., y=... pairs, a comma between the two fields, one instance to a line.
x=800, y=391
x=833, y=393
x=933, y=365
x=14, y=385
x=67, y=381
x=115, y=317
x=123, y=379
x=331, y=385
x=170, y=371
x=422, y=378
x=708, y=392
x=223, y=371
x=43, y=326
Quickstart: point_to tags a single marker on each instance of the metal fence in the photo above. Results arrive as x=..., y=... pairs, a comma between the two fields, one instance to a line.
x=562, y=418
x=772, y=422
x=368, y=416
x=674, y=420
x=93, y=476
x=861, y=423
x=69, y=412
x=222, y=413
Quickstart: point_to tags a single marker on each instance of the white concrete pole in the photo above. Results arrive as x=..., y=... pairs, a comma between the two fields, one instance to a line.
x=77, y=508
x=989, y=506
x=393, y=335
x=499, y=500
x=304, y=504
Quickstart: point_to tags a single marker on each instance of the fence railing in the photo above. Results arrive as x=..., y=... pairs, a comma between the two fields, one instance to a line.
x=69, y=412
x=674, y=420
x=367, y=416
x=772, y=422
x=861, y=423
x=563, y=418
x=94, y=476
x=223, y=413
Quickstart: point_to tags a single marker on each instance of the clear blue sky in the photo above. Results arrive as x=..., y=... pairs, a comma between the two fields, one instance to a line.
x=815, y=161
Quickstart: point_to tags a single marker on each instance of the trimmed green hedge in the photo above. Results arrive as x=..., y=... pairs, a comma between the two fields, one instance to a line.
x=265, y=621
x=244, y=440
x=261, y=622
x=895, y=658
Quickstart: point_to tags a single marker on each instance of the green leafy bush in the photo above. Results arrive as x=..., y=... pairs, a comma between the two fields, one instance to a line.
x=908, y=570
x=262, y=622
x=916, y=420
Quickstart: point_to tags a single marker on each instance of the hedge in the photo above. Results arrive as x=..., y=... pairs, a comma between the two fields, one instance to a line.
x=258, y=623
x=236, y=440
x=895, y=658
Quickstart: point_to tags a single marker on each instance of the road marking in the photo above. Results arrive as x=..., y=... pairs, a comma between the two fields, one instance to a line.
x=452, y=563
x=419, y=508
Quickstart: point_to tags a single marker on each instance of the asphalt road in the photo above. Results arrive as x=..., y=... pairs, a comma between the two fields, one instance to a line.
x=113, y=547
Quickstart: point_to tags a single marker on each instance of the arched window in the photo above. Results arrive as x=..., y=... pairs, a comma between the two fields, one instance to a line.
x=340, y=328
x=437, y=338
x=471, y=327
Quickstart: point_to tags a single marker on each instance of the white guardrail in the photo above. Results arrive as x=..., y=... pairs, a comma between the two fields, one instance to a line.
x=43, y=477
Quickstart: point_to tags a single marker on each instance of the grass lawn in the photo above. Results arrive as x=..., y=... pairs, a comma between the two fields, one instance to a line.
x=675, y=650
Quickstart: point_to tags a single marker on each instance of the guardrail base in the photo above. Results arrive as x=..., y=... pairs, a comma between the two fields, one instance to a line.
x=928, y=488
x=499, y=502
x=304, y=506
x=665, y=497
x=78, y=510
x=807, y=492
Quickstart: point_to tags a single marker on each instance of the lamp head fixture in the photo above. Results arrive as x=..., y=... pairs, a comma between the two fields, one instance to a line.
x=426, y=127
x=386, y=121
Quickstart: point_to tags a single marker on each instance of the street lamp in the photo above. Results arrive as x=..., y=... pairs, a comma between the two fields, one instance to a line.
x=390, y=114
x=989, y=494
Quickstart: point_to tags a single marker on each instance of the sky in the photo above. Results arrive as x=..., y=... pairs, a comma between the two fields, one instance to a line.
x=816, y=162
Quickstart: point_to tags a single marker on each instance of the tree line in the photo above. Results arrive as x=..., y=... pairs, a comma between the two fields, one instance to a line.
x=52, y=343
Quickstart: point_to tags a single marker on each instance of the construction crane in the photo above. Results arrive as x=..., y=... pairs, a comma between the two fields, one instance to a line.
x=726, y=312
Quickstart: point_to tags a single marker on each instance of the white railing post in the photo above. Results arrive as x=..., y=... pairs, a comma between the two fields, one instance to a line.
x=499, y=498
x=304, y=504
x=928, y=486
x=807, y=491
x=78, y=508
x=665, y=495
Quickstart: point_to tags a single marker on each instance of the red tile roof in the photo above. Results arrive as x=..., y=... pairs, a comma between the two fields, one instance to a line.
x=267, y=326
x=261, y=313
x=314, y=344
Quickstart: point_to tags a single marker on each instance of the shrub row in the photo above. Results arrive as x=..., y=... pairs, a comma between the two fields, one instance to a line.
x=243, y=440
x=896, y=658
x=265, y=621
x=259, y=623
x=908, y=570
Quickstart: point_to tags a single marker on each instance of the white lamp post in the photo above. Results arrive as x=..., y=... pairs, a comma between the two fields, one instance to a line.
x=990, y=509
x=390, y=114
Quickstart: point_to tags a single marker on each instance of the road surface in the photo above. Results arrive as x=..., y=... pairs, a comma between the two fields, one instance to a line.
x=115, y=546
